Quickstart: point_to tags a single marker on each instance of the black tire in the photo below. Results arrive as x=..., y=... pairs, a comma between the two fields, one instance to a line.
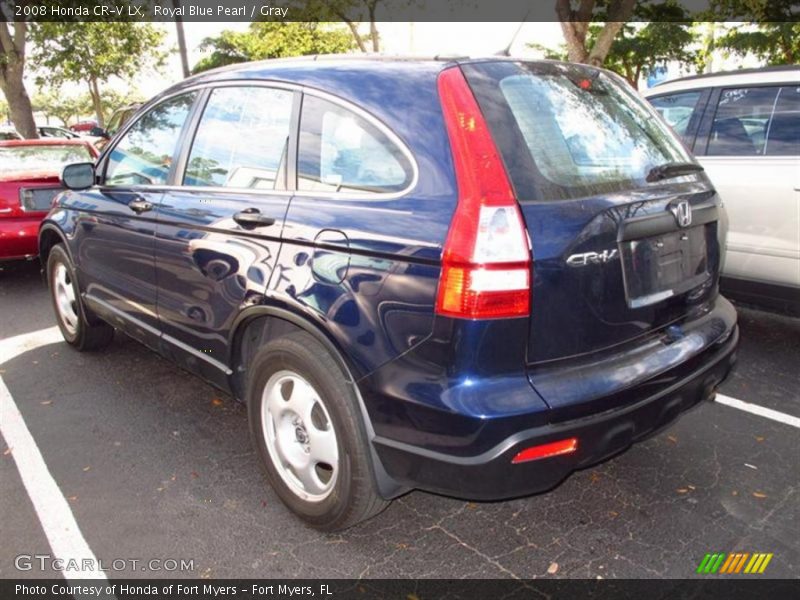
x=86, y=332
x=353, y=496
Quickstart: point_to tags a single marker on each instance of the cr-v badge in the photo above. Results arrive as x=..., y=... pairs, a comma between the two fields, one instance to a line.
x=592, y=258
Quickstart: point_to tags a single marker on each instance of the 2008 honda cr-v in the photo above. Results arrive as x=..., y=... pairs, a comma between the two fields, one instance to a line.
x=467, y=276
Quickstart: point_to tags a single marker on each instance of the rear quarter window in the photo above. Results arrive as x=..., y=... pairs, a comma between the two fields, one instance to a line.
x=341, y=151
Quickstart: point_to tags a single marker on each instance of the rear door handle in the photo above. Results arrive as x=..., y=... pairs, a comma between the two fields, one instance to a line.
x=140, y=205
x=250, y=218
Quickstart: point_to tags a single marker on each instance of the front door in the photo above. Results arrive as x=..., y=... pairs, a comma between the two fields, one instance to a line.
x=117, y=222
x=219, y=232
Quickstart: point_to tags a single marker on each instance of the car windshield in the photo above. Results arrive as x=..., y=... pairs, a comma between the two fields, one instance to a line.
x=41, y=158
x=584, y=132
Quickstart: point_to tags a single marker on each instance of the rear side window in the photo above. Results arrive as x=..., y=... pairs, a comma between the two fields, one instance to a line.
x=677, y=109
x=242, y=139
x=144, y=154
x=566, y=131
x=340, y=151
x=783, y=134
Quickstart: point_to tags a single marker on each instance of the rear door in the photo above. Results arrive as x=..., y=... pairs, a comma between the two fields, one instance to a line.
x=615, y=256
x=219, y=230
x=359, y=245
x=752, y=154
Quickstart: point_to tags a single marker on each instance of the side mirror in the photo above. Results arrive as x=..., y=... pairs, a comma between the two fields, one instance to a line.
x=78, y=176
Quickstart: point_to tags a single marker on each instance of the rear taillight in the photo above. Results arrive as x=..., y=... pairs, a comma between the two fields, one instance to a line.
x=486, y=262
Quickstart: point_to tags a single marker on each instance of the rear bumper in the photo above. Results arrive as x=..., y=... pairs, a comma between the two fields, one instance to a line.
x=19, y=238
x=491, y=475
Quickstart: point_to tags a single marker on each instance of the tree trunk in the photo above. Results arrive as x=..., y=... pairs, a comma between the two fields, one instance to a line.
x=19, y=105
x=576, y=44
x=356, y=36
x=12, y=66
x=181, y=41
x=575, y=27
x=602, y=44
x=94, y=92
x=373, y=28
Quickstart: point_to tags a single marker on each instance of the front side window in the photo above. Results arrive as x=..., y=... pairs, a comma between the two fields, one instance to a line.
x=340, y=151
x=242, y=139
x=677, y=109
x=144, y=155
x=566, y=131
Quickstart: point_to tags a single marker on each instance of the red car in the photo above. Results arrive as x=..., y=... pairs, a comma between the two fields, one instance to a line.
x=83, y=126
x=29, y=180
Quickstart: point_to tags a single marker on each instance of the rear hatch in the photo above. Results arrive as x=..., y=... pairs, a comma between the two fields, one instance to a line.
x=622, y=244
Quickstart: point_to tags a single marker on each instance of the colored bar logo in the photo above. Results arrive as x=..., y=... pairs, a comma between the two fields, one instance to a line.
x=737, y=562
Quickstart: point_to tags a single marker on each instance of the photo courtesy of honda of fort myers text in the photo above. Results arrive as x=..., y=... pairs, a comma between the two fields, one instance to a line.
x=296, y=328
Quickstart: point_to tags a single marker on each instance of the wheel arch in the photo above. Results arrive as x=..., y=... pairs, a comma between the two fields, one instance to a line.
x=49, y=236
x=256, y=326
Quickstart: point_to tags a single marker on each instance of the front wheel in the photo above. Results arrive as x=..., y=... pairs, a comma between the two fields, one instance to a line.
x=71, y=317
x=307, y=429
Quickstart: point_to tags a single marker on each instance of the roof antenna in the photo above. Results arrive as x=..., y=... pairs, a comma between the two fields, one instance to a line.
x=507, y=50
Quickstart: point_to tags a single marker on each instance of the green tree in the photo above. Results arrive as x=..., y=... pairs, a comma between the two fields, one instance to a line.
x=93, y=53
x=772, y=43
x=772, y=35
x=13, y=37
x=662, y=35
x=273, y=40
x=65, y=108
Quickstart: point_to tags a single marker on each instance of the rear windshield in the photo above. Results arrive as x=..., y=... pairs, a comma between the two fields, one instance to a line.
x=41, y=158
x=566, y=131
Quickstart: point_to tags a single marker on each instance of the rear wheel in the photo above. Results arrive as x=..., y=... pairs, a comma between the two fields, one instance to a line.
x=307, y=429
x=71, y=314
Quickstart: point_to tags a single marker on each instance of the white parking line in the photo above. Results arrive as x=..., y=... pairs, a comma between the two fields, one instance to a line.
x=55, y=515
x=58, y=522
x=761, y=411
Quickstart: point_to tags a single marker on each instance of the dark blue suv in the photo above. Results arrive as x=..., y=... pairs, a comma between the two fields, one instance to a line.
x=466, y=276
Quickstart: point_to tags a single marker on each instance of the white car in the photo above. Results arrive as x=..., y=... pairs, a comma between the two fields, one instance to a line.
x=9, y=133
x=744, y=128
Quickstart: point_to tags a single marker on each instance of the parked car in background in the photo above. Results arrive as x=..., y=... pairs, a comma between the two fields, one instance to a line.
x=29, y=180
x=744, y=128
x=83, y=126
x=49, y=131
x=9, y=133
x=467, y=276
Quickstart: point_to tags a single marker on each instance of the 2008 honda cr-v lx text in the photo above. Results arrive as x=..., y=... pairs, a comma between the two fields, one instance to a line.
x=465, y=276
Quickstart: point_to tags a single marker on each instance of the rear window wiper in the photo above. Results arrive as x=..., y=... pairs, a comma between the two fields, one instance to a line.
x=672, y=169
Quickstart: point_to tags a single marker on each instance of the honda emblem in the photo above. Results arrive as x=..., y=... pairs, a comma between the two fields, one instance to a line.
x=682, y=212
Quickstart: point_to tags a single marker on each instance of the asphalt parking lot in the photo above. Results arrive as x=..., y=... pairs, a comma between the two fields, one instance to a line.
x=154, y=463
